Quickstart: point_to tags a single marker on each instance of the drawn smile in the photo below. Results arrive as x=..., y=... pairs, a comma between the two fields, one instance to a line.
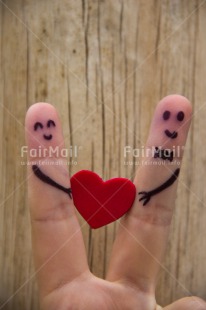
x=171, y=135
x=49, y=137
x=40, y=126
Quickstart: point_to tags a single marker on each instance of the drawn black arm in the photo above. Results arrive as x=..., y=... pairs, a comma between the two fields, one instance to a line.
x=43, y=177
x=147, y=195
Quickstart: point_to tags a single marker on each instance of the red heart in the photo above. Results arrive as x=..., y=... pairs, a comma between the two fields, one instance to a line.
x=99, y=202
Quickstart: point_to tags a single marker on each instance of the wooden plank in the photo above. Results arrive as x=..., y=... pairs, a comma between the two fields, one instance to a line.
x=104, y=65
x=16, y=243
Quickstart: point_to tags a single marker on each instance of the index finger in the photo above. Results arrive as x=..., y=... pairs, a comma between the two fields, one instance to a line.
x=58, y=247
x=141, y=240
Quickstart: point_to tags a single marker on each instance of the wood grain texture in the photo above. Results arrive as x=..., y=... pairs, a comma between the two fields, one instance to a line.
x=104, y=65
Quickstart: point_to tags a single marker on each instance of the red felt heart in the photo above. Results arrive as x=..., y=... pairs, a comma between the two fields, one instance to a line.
x=99, y=202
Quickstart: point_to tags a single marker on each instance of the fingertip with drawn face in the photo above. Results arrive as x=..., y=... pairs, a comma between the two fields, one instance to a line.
x=166, y=144
x=171, y=122
x=43, y=128
x=47, y=164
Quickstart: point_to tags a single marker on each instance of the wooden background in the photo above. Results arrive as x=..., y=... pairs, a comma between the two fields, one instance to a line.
x=104, y=64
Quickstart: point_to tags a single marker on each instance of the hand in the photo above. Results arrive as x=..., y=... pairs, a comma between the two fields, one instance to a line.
x=65, y=281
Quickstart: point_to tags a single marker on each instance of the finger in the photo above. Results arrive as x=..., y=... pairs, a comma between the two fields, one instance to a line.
x=187, y=303
x=142, y=236
x=58, y=247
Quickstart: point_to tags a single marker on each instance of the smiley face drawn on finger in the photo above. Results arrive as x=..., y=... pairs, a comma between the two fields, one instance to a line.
x=170, y=123
x=168, y=133
x=166, y=117
x=46, y=134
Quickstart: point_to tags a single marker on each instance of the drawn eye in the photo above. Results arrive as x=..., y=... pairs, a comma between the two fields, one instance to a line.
x=180, y=116
x=38, y=124
x=166, y=115
x=50, y=123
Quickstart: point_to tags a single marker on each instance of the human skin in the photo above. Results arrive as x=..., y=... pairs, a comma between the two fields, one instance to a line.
x=64, y=279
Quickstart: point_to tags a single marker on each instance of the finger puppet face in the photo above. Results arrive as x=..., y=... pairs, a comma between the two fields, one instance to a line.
x=43, y=126
x=171, y=122
x=167, y=118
